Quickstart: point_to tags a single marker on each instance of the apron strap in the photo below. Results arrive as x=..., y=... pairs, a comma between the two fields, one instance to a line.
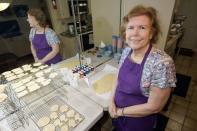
x=146, y=55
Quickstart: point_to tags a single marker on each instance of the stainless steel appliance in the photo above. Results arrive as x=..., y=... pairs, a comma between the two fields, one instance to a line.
x=71, y=28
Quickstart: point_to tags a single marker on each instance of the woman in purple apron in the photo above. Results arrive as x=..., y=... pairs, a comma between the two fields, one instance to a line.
x=44, y=41
x=142, y=86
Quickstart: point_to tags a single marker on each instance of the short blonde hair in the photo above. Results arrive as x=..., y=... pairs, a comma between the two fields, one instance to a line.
x=140, y=10
x=39, y=16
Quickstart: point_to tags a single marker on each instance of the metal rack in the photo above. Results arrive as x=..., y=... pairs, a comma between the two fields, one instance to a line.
x=44, y=110
x=79, y=10
x=16, y=110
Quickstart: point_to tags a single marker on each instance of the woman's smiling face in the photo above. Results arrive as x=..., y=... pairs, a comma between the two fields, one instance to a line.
x=138, y=32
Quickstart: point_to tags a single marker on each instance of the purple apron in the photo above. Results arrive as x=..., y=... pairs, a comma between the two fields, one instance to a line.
x=128, y=93
x=42, y=48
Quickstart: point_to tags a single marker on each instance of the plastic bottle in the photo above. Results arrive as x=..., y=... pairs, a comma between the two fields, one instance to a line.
x=114, y=43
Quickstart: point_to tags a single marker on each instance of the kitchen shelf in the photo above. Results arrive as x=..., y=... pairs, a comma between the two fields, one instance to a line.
x=83, y=22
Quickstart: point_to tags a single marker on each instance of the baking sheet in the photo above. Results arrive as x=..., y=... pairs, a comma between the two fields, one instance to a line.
x=55, y=83
x=27, y=73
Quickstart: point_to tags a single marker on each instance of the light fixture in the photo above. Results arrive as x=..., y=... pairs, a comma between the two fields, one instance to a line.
x=4, y=4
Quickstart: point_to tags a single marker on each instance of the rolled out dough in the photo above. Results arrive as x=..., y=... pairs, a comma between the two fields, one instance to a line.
x=104, y=84
x=69, y=65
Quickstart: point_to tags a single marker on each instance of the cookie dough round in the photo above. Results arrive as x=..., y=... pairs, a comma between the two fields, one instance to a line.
x=37, y=64
x=43, y=121
x=9, y=75
x=54, y=115
x=39, y=74
x=20, y=75
x=49, y=127
x=27, y=69
x=2, y=97
x=34, y=70
x=40, y=79
x=30, y=83
x=42, y=66
x=2, y=88
x=63, y=118
x=11, y=78
x=33, y=87
x=16, y=85
x=54, y=108
x=48, y=70
x=64, y=128
x=64, y=108
x=72, y=123
x=6, y=73
x=22, y=93
x=70, y=113
x=78, y=118
x=19, y=89
x=58, y=123
x=53, y=75
x=28, y=79
x=45, y=83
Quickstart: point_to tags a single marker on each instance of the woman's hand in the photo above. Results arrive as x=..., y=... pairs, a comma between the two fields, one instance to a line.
x=120, y=112
x=112, y=109
x=112, y=105
x=36, y=59
x=40, y=61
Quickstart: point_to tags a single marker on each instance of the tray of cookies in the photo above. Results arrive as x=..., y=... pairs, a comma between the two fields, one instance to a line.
x=22, y=71
x=36, y=85
x=5, y=103
x=55, y=115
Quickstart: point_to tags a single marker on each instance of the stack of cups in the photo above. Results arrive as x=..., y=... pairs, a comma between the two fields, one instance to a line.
x=119, y=45
x=114, y=43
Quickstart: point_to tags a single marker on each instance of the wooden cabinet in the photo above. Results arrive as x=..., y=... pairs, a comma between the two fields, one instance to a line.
x=68, y=47
x=62, y=9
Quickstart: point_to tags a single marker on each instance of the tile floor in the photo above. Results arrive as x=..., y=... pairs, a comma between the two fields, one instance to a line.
x=182, y=112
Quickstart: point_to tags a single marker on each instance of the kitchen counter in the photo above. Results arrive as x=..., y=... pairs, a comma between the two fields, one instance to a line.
x=90, y=110
x=90, y=107
x=95, y=61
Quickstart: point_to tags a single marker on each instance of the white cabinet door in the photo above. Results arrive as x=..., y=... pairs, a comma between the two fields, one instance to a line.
x=165, y=12
x=106, y=20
